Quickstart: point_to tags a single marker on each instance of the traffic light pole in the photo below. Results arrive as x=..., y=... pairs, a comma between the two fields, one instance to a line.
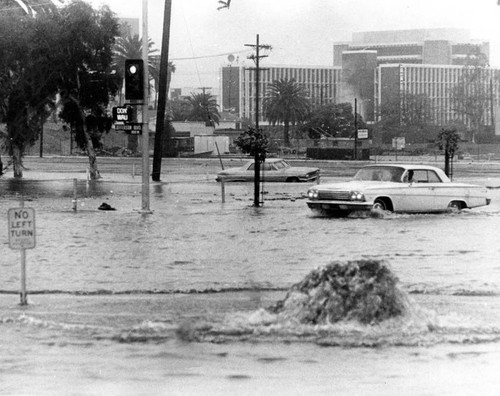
x=145, y=115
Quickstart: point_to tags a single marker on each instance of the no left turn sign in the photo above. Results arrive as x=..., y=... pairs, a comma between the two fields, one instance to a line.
x=21, y=228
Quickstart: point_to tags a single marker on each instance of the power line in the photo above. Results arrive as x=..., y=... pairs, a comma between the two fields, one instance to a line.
x=210, y=56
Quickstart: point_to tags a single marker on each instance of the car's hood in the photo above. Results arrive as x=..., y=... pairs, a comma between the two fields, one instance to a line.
x=294, y=170
x=232, y=170
x=356, y=185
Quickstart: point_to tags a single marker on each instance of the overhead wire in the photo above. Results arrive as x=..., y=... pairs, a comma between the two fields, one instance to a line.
x=191, y=43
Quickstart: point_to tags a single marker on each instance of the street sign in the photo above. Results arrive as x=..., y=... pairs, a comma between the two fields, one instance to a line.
x=21, y=228
x=122, y=113
x=130, y=128
x=362, y=133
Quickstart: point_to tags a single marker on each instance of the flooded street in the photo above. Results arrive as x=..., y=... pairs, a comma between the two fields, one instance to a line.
x=122, y=303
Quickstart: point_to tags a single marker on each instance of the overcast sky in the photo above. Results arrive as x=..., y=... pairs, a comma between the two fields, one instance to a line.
x=301, y=32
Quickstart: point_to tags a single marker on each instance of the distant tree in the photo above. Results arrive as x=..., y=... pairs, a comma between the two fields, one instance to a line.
x=285, y=102
x=154, y=73
x=332, y=120
x=253, y=142
x=178, y=109
x=447, y=141
x=471, y=96
x=409, y=116
x=204, y=107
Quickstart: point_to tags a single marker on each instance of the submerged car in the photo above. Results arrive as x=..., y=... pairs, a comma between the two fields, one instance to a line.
x=396, y=188
x=272, y=170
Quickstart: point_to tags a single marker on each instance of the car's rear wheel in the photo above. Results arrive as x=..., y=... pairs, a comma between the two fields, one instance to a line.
x=292, y=180
x=455, y=205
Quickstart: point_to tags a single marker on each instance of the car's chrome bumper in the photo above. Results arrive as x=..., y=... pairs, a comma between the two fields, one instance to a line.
x=339, y=205
x=309, y=178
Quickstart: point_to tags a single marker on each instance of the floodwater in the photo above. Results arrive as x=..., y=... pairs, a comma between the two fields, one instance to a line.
x=173, y=302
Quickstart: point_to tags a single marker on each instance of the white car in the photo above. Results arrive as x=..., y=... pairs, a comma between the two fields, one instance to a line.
x=396, y=188
x=272, y=170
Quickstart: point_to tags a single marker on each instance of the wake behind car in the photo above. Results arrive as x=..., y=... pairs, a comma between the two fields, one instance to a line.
x=397, y=188
x=272, y=170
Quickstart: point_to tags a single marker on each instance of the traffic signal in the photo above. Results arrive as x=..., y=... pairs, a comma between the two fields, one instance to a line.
x=134, y=79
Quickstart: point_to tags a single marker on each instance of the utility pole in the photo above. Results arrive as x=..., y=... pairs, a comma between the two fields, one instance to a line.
x=355, y=154
x=209, y=121
x=162, y=95
x=145, y=115
x=256, y=59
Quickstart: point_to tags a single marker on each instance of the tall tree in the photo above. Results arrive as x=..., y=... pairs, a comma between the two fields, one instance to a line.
x=85, y=60
x=285, y=102
x=27, y=79
x=204, y=107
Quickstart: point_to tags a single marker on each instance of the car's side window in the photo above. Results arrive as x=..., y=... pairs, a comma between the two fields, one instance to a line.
x=425, y=176
x=267, y=166
x=420, y=176
x=251, y=167
x=433, y=178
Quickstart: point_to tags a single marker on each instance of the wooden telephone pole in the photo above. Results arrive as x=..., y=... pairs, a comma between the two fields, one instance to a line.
x=256, y=59
x=162, y=94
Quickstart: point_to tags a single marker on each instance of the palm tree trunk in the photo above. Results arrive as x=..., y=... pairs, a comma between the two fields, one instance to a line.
x=17, y=162
x=286, y=136
x=93, y=171
x=89, y=148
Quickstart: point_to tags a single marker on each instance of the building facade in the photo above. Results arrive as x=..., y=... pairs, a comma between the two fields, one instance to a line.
x=238, y=86
x=398, y=83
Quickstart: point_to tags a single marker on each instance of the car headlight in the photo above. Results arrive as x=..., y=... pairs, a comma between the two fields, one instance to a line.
x=312, y=193
x=357, y=196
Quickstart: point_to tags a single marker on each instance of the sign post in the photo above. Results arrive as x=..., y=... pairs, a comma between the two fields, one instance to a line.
x=22, y=232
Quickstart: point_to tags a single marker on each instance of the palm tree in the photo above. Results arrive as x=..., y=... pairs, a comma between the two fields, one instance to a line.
x=31, y=7
x=285, y=103
x=154, y=73
x=204, y=107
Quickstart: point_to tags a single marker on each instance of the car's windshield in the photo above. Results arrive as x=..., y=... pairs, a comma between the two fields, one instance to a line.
x=380, y=173
x=281, y=164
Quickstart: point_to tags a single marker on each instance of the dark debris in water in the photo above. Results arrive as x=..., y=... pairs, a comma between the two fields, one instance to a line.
x=362, y=290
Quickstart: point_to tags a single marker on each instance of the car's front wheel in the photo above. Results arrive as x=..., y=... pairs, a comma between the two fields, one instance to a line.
x=379, y=204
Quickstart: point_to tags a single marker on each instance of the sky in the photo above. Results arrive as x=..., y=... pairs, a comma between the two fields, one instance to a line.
x=300, y=32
